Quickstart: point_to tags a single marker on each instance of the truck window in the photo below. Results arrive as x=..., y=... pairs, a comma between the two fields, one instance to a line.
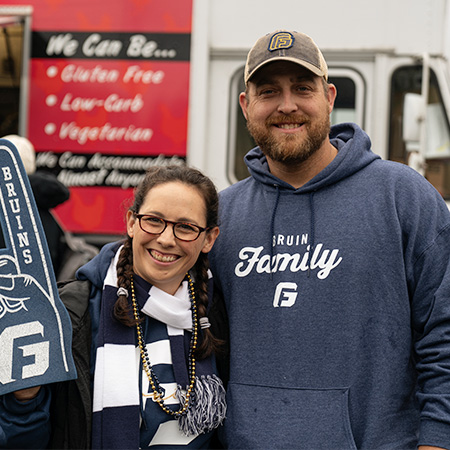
x=348, y=108
x=11, y=32
x=349, y=104
x=436, y=164
x=14, y=58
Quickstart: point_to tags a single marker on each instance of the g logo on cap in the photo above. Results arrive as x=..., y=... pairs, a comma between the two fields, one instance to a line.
x=280, y=41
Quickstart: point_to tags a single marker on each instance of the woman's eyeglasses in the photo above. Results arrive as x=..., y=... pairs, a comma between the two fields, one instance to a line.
x=181, y=230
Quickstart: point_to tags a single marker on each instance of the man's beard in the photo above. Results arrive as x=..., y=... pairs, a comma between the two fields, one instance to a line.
x=290, y=148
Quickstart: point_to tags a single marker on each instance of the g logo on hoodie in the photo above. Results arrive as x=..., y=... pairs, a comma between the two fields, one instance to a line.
x=285, y=294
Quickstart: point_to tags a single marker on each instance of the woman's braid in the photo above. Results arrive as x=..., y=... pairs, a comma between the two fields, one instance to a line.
x=122, y=308
x=201, y=292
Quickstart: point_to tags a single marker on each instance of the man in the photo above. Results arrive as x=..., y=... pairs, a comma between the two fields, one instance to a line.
x=334, y=266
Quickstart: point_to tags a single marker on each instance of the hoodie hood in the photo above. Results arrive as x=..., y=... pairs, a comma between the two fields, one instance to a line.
x=354, y=153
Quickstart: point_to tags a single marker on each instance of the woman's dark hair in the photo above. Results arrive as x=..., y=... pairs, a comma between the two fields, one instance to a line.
x=156, y=176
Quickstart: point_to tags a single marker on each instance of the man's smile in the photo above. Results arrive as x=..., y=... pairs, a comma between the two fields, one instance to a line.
x=288, y=126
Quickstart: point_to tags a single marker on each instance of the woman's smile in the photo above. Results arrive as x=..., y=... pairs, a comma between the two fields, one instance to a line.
x=163, y=257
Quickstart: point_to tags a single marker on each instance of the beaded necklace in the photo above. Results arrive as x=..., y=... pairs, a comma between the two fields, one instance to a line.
x=158, y=392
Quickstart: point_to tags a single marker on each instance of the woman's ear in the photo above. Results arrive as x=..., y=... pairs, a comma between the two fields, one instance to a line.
x=211, y=236
x=131, y=220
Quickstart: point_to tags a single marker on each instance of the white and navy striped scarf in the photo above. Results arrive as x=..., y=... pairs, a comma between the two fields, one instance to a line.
x=119, y=382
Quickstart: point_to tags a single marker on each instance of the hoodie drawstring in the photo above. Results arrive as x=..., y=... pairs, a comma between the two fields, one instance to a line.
x=312, y=231
x=272, y=230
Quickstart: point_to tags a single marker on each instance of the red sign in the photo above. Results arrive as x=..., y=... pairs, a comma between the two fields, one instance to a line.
x=108, y=97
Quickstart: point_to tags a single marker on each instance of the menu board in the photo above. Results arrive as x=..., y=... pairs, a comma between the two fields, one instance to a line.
x=108, y=97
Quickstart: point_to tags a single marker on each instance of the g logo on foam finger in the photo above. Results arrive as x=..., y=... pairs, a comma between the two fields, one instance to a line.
x=35, y=328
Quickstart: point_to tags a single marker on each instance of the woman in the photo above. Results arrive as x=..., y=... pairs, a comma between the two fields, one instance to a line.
x=151, y=356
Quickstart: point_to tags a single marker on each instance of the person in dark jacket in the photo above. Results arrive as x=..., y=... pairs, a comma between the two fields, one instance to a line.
x=49, y=193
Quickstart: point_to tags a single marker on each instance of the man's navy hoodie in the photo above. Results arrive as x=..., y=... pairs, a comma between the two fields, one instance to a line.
x=338, y=296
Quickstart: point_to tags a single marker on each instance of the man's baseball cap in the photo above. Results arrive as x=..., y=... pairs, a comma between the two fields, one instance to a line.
x=285, y=46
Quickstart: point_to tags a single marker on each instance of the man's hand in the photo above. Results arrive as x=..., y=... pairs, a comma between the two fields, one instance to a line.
x=428, y=447
x=25, y=395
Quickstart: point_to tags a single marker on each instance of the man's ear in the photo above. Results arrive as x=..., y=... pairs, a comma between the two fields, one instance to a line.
x=332, y=93
x=244, y=103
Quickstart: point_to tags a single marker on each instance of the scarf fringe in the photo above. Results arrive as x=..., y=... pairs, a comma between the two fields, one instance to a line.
x=208, y=409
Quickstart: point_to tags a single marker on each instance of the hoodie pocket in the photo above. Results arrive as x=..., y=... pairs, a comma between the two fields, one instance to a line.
x=277, y=418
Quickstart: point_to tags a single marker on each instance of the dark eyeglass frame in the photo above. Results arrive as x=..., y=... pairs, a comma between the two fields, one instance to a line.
x=197, y=227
